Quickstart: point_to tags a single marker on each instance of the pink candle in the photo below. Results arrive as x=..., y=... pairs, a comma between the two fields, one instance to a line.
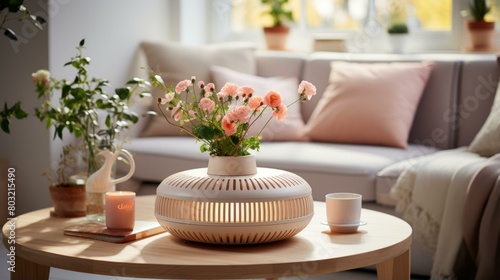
x=120, y=210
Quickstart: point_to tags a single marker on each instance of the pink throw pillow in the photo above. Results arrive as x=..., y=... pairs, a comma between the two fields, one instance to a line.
x=369, y=103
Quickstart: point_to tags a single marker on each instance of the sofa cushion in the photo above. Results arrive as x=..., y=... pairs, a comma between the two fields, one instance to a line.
x=326, y=167
x=292, y=127
x=387, y=94
x=179, y=62
x=487, y=141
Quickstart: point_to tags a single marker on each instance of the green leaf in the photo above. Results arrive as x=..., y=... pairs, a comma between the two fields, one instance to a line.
x=18, y=112
x=123, y=93
x=10, y=34
x=204, y=132
x=60, y=130
x=135, y=81
x=65, y=91
x=108, y=121
x=5, y=125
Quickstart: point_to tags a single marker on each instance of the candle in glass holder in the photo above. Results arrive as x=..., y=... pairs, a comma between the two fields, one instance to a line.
x=120, y=210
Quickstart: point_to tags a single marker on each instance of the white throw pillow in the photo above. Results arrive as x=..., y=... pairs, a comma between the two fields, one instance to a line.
x=292, y=127
x=486, y=143
x=179, y=62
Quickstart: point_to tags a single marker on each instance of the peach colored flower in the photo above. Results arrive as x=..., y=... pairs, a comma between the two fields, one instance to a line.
x=201, y=84
x=209, y=87
x=280, y=112
x=255, y=103
x=176, y=114
x=221, y=96
x=272, y=99
x=230, y=89
x=240, y=113
x=182, y=86
x=169, y=96
x=228, y=126
x=42, y=78
x=245, y=91
x=206, y=104
x=306, y=90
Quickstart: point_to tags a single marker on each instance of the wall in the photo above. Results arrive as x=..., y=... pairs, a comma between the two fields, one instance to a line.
x=112, y=30
x=27, y=147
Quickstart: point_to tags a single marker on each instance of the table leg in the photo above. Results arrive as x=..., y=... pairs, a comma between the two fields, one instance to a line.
x=395, y=269
x=29, y=270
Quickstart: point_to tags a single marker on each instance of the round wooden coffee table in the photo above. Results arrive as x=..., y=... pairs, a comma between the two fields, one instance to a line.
x=40, y=244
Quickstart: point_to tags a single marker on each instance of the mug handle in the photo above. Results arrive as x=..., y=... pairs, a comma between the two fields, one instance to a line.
x=130, y=159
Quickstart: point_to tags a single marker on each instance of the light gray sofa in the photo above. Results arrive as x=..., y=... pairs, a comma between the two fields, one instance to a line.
x=454, y=105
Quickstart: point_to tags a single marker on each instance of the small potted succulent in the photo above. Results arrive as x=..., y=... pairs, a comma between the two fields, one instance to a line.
x=277, y=33
x=398, y=34
x=480, y=31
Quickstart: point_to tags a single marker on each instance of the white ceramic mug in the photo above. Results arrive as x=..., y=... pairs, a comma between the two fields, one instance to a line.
x=343, y=208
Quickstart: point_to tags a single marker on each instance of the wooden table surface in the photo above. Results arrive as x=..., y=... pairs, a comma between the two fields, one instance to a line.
x=40, y=244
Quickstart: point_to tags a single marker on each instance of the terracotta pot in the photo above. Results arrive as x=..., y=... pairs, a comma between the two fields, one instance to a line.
x=276, y=37
x=68, y=201
x=481, y=35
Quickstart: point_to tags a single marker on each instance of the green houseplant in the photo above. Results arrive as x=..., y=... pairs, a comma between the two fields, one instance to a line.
x=480, y=31
x=82, y=108
x=277, y=33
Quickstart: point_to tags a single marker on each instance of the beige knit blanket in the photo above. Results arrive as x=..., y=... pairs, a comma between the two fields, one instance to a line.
x=479, y=256
x=431, y=193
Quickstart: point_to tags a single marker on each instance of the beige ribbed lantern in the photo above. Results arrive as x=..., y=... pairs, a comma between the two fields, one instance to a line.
x=234, y=202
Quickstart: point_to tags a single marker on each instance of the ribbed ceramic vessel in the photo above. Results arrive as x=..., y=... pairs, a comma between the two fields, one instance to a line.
x=234, y=202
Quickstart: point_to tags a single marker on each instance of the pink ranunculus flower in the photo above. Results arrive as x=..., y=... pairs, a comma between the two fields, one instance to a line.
x=209, y=87
x=201, y=84
x=206, y=104
x=228, y=126
x=245, y=91
x=241, y=113
x=182, y=86
x=306, y=90
x=255, y=103
x=162, y=101
x=176, y=114
x=42, y=78
x=272, y=99
x=221, y=96
x=280, y=112
x=230, y=89
x=169, y=96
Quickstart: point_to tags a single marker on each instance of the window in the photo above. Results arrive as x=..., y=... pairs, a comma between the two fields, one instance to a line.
x=435, y=25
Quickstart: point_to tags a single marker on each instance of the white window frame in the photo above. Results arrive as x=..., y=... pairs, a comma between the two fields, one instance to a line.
x=214, y=27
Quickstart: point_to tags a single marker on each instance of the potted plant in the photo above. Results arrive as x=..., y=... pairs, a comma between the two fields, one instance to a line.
x=398, y=34
x=480, y=31
x=87, y=112
x=276, y=35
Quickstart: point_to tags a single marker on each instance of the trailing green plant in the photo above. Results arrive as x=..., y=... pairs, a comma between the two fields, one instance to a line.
x=18, y=12
x=81, y=107
x=278, y=11
x=11, y=112
x=479, y=9
x=398, y=28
